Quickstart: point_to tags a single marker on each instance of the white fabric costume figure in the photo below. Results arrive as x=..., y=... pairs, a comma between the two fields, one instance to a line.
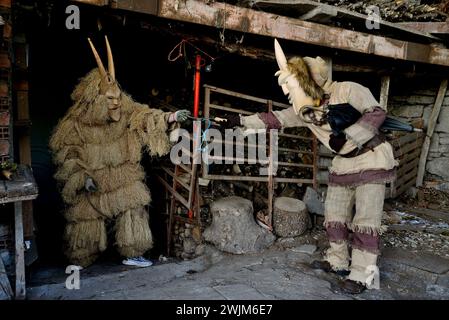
x=364, y=161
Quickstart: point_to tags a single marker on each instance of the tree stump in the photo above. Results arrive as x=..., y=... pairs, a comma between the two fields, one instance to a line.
x=290, y=217
x=234, y=228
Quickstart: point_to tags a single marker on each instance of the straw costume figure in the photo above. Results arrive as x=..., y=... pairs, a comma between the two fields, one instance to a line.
x=345, y=117
x=97, y=148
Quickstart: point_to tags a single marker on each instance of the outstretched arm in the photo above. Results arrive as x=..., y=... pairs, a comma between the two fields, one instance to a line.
x=152, y=125
x=265, y=120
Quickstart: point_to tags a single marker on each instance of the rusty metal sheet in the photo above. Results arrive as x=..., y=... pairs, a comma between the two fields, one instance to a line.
x=222, y=15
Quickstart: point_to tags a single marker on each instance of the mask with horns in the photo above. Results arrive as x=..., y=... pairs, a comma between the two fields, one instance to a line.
x=108, y=84
x=297, y=81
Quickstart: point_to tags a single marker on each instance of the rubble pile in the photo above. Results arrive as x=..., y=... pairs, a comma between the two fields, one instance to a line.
x=416, y=234
x=399, y=10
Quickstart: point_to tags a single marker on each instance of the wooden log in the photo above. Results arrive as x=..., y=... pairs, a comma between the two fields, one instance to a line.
x=290, y=217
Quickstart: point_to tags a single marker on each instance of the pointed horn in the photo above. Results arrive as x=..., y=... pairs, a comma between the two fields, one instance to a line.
x=97, y=58
x=280, y=56
x=111, y=67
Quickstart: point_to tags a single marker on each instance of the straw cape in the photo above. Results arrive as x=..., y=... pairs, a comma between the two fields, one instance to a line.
x=89, y=142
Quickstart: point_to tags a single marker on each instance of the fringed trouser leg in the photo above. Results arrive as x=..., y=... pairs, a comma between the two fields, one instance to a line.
x=132, y=233
x=85, y=240
x=366, y=226
x=338, y=213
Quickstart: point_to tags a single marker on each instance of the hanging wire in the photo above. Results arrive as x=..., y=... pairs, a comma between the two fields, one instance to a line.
x=182, y=50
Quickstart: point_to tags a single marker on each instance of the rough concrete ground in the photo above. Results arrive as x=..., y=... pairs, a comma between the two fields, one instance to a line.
x=273, y=274
x=414, y=265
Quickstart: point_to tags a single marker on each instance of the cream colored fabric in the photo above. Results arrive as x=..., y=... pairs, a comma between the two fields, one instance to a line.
x=353, y=93
x=368, y=199
x=318, y=68
x=380, y=158
x=358, y=134
x=363, y=264
x=338, y=255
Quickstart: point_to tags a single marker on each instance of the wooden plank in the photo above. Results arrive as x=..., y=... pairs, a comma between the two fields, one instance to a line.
x=226, y=16
x=5, y=287
x=429, y=27
x=431, y=127
x=20, y=251
x=175, y=177
x=94, y=2
x=407, y=148
x=384, y=91
x=178, y=197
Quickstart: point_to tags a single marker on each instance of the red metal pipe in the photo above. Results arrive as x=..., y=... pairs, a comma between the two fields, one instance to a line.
x=196, y=101
x=196, y=109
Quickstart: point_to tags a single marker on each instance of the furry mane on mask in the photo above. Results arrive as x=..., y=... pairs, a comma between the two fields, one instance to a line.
x=298, y=67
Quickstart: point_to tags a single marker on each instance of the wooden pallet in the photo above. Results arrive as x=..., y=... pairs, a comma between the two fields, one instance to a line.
x=407, y=150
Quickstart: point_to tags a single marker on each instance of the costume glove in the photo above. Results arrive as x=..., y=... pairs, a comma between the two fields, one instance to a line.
x=336, y=142
x=179, y=116
x=231, y=121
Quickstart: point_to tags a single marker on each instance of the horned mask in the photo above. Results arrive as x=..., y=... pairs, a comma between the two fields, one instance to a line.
x=296, y=81
x=108, y=85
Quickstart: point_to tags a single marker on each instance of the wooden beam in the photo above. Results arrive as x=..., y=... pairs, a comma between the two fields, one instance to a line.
x=94, y=2
x=226, y=16
x=429, y=27
x=431, y=127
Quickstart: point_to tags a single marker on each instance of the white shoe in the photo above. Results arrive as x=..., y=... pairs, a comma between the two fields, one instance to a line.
x=138, y=262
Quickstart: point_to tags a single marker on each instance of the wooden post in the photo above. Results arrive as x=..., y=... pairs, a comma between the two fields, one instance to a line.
x=270, y=184
x=384, y=91
x=20, y=256
x=431, y=127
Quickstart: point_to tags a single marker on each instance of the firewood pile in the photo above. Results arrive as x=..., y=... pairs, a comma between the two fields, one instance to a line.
x=399, y=10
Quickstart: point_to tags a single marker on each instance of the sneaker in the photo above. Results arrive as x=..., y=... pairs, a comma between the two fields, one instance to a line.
x=138, y=262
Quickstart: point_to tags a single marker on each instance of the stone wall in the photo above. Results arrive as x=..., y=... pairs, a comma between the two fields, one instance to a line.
x=418, y=103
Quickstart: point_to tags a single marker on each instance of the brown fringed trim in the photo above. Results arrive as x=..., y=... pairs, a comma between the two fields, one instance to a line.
x=336, y=231
x=364, y=177
x=334, y=224
x=373, y=120
x=270, y=120
x=368, y=242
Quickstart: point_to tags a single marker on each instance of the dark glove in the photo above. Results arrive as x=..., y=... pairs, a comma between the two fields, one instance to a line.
x=90, y=185
x=337, y=142
x=231, y=121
